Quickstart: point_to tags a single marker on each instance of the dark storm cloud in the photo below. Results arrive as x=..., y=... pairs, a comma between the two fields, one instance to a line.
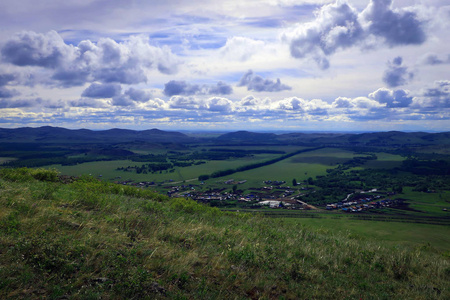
x=184, y=88
x=257, y=83
x=339, y=26
x=397, y=74
x=105, y=61
x=107, y=90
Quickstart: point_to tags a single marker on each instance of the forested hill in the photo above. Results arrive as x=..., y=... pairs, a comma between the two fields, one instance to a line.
x=391, y=138
x=48, y=134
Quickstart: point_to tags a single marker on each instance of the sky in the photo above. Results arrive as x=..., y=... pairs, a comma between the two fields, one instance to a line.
x=259, y=65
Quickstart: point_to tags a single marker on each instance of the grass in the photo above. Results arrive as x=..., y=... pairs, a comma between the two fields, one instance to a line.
x=91, y=239
x=424, y=236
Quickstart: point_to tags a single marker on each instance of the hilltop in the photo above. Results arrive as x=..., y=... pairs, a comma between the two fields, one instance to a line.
x=79, y=238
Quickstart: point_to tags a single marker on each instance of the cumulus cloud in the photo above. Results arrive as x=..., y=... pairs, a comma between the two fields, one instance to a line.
x=184, y=88
x=397, y=27
x=339, y=26
x=98, y=90
x=257, y=83
x=219, y=104
x=34, y=49
x=397, y=98
x=241, y=48
x=336, y=26
x=396, y=74
x=435, y=97
x=138, y=95
x=122, y=100
x=105, y=61
x=189, y=103
x=130, y=97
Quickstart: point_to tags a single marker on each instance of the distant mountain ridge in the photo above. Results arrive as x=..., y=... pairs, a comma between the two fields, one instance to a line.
x=49, y=134
x=389, y=138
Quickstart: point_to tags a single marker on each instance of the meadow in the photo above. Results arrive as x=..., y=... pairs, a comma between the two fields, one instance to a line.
x=88, y=239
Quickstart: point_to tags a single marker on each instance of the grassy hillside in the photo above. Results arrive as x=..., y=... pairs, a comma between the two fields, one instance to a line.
x=88, y=239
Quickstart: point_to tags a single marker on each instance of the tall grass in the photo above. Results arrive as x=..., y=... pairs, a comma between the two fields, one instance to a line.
x=90, y=239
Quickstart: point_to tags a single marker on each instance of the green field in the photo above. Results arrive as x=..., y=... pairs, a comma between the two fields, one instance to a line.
x=300, y=167
x=108, y=169
x=384, y=161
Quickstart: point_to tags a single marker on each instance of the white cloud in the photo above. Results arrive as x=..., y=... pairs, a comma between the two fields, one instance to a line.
x=105, y=61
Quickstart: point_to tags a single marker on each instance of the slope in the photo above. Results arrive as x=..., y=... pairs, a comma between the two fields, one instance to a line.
x=84, y=239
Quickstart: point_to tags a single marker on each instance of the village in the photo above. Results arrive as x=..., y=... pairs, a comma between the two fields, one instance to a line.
x=273, y=194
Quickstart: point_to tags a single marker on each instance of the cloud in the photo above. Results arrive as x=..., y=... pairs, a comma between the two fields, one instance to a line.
x=106, y=90
x=138, y=95
x=259, y=84
x=122, y=100
x=187, y=103
x=219, y=104
x=87, y=103
x=175, y=87
x=396, y=74
x=34, y=49
x=22, y=103
x=436, y=97
x=105, y=61
x=397, y=98
x=336, y=26
x=339, y=26
x=241, y=48
x=397, y=27
x=7, y=93
x=433, y=59
x=6, y=78
x=130, y=97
